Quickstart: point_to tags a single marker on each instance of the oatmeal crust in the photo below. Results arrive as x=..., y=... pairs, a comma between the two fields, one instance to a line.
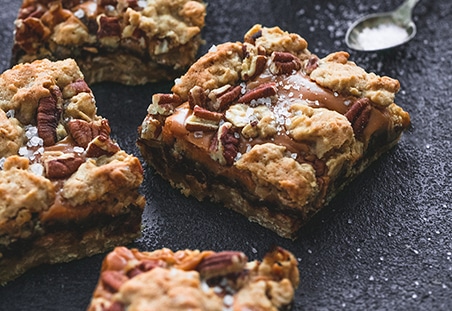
x=269, y=129
x=131, y=42
x=195, y=280
x=67, y=189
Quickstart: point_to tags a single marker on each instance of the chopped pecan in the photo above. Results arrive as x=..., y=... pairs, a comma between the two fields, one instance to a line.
x=319, y=166
x=112, y=280
x=224, y=145
x=75, y=88
x=164, y=104
x=108, y=2
x=223, y=96
x=34, y=10
x=222, y=263
x=48, y=116
x=262, y=91
x=101, y=145
x=311, y=64
x=115, y=306
x=62, y=167
x=197, y=96
x=203, y=120
x=108, y=27
x=359, y=115
x=145, y=265
x=284, y=63
x=84, y=132
x=253, y=66
x=30, y=32
x=251, y=38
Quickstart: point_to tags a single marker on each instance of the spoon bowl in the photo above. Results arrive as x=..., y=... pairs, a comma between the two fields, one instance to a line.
x=382, y=31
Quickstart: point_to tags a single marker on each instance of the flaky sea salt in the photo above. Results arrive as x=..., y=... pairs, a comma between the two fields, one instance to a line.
x=213, y=48
x=10, y=113
x=381, y=37
x=78, y=149
x=37, y=169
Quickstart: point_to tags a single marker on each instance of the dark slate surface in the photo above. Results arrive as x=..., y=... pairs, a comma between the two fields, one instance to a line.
x=385, y=243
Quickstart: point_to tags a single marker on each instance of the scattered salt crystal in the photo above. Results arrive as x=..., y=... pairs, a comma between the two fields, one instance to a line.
x=78, y=149
x=35, y=141
x=177, y=81
x=79, y=13
x=213, y=48
x=204, y=286
x=414, y=296
x=217, y=289
x=371, y=278
x=23, y=151
x=198, y=134
x=254, y=250
x=294, y=156
x=37, y=169
x=347, y=102
x=228, y=300
x=10, y=113
x=2, y=161
x=31, y=131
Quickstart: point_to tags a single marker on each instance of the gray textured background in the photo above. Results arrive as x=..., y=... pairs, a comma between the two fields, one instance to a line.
x=385, y=243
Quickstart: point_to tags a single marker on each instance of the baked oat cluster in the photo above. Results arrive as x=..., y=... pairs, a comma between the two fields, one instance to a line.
x=269, y=129
x=67, y=189
x=126, y=41
x=195, y=280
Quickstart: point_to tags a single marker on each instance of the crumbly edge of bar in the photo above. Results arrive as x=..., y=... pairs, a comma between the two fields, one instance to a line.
x=63, y=245
x=193, y=179
x=206, y=280
x=162, y=37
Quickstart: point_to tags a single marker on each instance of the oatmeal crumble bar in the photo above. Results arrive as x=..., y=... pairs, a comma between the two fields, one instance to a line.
x=126, y=41
x=269, y=129
x=67, y=189
x=195, y=280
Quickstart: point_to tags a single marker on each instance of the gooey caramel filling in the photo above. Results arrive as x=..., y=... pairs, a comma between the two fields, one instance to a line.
x=294, y=88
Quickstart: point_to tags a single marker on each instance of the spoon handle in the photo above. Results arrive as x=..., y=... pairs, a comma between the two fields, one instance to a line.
x=404, y=11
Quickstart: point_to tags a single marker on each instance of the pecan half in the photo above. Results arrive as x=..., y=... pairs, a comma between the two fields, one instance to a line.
x=145, y=265
x=108, y=27
x=262, y=91
x=203, y=120
x=62, y=167
x=197, y=96
x=101, y=145
x=222, y=263
x=84, y=132
x=224, y=145
x=112, y=280
x=164, y=104
x=30, y=32
x=284, y=63
x=75, y=88
x=222, y=97
x=48, y=116
x=359, y=115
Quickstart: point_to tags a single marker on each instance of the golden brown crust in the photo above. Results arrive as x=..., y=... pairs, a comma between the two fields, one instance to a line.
x=61, y=172
x=271, y=125
x=193, y=279
x=131, y=42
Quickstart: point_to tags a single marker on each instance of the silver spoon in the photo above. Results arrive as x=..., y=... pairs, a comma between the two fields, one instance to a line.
x=383, y=30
